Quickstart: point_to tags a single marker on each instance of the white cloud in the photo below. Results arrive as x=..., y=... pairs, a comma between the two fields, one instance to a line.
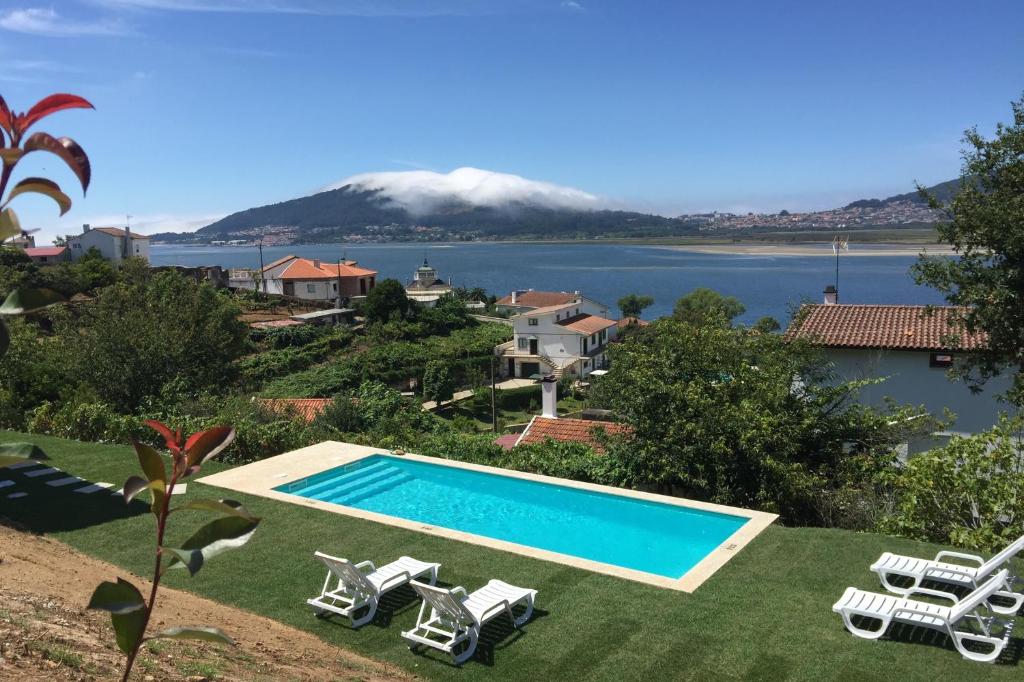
x=47, y=22
x=421, y=191
x=366, y=8
x=573, y=5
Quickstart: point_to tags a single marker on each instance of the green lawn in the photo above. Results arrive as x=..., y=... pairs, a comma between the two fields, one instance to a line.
x=766, y=615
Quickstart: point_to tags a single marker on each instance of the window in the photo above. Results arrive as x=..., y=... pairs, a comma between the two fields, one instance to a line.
x=523, y=343
x=310, y=288
x=533, y=322
x=335, y=286
x=940, y=360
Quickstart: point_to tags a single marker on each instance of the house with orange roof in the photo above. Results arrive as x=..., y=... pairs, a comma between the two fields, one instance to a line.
x=316, y=280
x=566, y=339
x=306, y=409
x=585, y=431
x=115, y=244
x=911, y=347
x=523, y=301
x=48, y=255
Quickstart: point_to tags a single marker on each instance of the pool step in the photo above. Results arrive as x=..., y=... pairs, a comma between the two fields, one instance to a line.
x=343, y=485
x=357, y=474
x=387, y=484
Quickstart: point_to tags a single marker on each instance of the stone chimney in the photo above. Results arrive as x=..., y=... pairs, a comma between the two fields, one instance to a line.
x=85, y=228
x=831, y=295
x=549, y=397
x=316, y=263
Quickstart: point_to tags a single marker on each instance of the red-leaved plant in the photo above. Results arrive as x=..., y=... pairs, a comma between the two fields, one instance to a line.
x=129, y=610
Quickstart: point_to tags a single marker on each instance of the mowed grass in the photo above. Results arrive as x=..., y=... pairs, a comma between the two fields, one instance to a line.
x=765, y=616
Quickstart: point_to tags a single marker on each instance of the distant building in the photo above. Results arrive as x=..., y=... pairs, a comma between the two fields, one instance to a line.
x=522, y=301
x=113, y=243
x=22, y=241
x=309, y=278
x=426, y=287
x=910, y=348
x=306, y=409
x=48, y=255
x=567, y=339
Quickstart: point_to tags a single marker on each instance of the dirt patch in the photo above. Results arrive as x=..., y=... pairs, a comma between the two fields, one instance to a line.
x=47, y=634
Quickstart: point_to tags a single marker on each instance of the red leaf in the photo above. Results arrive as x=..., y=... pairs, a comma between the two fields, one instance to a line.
x=50, y=105
x=206, y=444
x=172, y=439
x=5, y=117
x=67, y=149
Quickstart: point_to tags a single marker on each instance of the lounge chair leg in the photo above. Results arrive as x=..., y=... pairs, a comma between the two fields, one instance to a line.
x=861, y=632
x=359, y=622
x=471, y=639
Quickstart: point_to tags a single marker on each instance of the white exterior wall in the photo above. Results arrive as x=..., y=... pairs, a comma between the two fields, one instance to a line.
x=912, y=381
x=556, y=342
x=108, y=245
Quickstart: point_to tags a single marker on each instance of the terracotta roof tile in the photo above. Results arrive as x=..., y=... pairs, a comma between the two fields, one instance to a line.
x=586, y=324
x=306, y=409
x=508, y=441
x=118, y=232
x=570, y=431
x=897, y=327
x=38, y=251
x=631, y=322
x=305, y=268
x=538, y=299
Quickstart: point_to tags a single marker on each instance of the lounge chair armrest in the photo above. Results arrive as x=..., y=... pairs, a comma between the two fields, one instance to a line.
x=934, y=593
x=460, y=592
x=366, y=566
x=959, y=555
x=395, y=580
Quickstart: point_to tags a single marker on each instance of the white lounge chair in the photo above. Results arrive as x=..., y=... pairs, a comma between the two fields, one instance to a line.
x=959, y=575
x=954, y=620
x=457, y=617
x=363, y=584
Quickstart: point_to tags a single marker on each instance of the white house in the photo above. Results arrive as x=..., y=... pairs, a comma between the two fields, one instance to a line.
x=113, y=243
x=523, y=301
x=308, y=278
x=908, y=346
x=426, y=287
x=568, y=339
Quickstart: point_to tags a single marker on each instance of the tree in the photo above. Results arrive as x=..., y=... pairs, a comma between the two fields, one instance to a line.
x=93, y=271
x=438, y=381
x=632, y=305
x=985, y=227
x=386, y=301
x=717, y=417
x=132, y=340
x=704, y=306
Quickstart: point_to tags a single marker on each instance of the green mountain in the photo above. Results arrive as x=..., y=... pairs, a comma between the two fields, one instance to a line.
x=944, y=192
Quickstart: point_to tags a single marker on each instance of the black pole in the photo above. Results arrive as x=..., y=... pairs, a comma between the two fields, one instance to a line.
x=263, y=275
x=837, y=273
x=494, y=404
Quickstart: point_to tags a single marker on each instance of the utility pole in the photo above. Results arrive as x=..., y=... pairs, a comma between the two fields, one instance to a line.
x=494, y=402
x=263, y=275
x=340, y=262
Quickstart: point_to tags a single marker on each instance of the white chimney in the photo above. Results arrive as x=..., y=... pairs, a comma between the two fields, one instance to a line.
x=831, y=295
x=549, y=397
x=515, y=297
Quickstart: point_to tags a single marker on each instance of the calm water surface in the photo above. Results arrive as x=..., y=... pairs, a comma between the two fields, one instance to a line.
x=767, y=285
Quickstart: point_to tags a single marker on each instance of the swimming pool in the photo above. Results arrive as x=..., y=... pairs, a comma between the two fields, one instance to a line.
x=663, y=539
x=658, y=540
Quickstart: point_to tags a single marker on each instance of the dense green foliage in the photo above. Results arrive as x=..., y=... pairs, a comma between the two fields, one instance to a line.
x=386, y=302
x=717, y=416
x=986, y=229
x=706, y=306
x=438, y=381
x=968, y=493
x=632, y=305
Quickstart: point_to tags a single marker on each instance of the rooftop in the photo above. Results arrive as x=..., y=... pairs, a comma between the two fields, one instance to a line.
x=306, y=268
x=117, y=232
x=307, y=409
x=45, y=251
x=894, y=327
x=570, y=431
x=538, y=299
x=631, y=322
x=586, y=324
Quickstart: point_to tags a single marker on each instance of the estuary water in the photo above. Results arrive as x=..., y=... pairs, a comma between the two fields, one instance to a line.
x=766, y=284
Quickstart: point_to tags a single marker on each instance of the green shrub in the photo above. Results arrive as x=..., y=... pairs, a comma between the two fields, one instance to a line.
x=96, y=422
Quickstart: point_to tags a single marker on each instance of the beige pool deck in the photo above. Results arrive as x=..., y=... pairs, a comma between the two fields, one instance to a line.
x=260, y=478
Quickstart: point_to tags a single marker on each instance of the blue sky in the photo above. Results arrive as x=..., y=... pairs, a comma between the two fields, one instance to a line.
x=205, y=107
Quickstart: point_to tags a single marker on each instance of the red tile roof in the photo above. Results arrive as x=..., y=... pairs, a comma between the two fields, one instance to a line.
x=538, y=299
x=897, y=327
x=118, y=232
x=307, y=409
x=45, y=251
x=305, y=268
x=586, y=324
x=570, y=431
x=508, y=441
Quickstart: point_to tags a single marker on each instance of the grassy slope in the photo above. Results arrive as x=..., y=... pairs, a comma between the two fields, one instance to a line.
x=766, y=615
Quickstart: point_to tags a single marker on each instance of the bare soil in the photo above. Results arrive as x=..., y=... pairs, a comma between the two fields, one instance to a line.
x=47, y=634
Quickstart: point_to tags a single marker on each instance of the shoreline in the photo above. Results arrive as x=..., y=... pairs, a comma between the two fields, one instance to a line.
x=807, y=249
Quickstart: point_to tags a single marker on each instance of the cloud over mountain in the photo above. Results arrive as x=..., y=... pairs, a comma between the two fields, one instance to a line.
x=421, y=192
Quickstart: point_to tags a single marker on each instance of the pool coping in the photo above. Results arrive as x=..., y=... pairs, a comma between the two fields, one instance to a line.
x=260, y=478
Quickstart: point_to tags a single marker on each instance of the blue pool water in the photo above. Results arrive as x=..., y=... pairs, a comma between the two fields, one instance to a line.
x=663, y=539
